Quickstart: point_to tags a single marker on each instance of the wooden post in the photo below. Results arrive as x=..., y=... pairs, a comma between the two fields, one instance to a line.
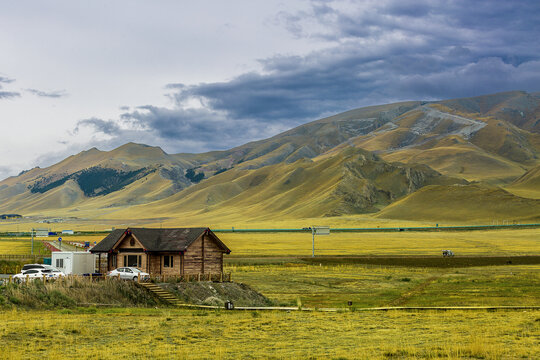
x=10, y=279
x=199, y=277
x=44, y=278
x=221, y=277
x=138, y=277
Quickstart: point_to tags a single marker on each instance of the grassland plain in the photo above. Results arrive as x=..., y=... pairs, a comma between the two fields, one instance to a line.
x=486, y=243
x=376, y=286
x=173, y=333
x=21, y=246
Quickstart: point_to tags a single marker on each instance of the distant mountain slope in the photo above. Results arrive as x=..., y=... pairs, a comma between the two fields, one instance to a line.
x=353, y=181
x=355, y=162
x=528, y=185
x=471, y=203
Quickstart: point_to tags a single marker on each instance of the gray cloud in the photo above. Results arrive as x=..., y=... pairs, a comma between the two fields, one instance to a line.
x=108, y=127
x=49, y=94
x=9, y=94
x=5, y=80
x=389, y=51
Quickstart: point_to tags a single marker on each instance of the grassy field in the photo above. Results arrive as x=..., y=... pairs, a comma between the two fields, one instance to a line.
x=495, y=242
x=375, y=286
x=169, y=333
x=21, y=246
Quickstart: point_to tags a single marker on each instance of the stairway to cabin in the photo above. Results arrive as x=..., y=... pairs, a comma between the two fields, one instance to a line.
x=162, y=294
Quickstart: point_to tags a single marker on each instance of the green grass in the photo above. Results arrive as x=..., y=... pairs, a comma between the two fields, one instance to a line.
x=374, y=286
x=179, y=334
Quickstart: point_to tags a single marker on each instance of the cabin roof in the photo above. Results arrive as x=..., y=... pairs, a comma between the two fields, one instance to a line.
x=158, y=240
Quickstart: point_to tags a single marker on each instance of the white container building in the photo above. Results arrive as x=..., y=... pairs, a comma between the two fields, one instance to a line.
x=74, y=262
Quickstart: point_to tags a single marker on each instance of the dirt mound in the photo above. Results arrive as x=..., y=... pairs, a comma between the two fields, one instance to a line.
x=210, y=293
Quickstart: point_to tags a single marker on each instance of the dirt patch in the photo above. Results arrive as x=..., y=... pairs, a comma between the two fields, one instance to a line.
x=428, y=261
x=212, y=293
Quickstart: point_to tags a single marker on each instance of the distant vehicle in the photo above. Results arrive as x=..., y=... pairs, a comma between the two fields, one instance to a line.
x=37, y=274
x=447, y=253
x=129, y=273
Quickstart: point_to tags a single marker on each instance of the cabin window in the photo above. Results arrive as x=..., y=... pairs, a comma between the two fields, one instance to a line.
x=133, y=260
x=168, y=261
x=132, y=242
x=59, y=263
x=113, y=261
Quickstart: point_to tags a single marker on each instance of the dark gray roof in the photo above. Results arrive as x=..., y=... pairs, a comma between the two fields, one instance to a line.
x=162, y=240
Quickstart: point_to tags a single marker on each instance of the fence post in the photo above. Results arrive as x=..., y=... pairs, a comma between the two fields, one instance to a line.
x=43, y=278
x=10, y=279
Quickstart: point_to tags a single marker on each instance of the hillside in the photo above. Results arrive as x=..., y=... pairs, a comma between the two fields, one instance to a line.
x=464, y=204
x=359, y=161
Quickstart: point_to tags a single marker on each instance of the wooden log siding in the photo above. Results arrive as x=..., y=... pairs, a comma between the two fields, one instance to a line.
x=193, y=258
x=212, y=256
x=129, y=246
x=204, y=255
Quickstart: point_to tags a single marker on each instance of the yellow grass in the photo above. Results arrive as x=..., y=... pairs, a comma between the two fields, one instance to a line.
x=14, y=247
x=179, y=334
x=495, y=242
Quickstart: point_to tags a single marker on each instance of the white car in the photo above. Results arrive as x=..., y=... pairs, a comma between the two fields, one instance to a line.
x=38, y=274
x=36, y=266
x=129, y=273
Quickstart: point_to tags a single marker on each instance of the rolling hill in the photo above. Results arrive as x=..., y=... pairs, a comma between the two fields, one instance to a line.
x=386, y=159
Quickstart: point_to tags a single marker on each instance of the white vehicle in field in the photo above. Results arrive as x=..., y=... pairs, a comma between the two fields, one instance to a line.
x=129, y=273
x=447, y=253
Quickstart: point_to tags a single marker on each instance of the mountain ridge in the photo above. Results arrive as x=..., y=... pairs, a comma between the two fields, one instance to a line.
x=491, y=140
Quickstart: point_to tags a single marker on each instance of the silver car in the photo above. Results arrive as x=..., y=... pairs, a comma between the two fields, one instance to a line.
x=129, y=273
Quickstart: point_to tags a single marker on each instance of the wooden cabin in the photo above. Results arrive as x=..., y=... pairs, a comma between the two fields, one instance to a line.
x=163, y=251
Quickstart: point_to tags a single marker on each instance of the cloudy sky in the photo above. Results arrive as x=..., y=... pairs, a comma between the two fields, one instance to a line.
x=196, y=76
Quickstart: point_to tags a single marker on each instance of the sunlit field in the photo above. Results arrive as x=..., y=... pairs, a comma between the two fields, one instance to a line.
x=170, y=333
x=485, y=243
x=9, y=246
x=378, y=286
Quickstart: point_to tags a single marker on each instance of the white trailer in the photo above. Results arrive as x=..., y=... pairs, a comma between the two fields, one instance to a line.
x=74, y=262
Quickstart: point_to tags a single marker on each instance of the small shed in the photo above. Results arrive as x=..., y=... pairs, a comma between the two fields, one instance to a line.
x=175, y=251
x=74, y=262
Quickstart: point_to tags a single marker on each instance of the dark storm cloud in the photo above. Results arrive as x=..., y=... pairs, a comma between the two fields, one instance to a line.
x=48, y=94
x=375, y=53
x=386, y=52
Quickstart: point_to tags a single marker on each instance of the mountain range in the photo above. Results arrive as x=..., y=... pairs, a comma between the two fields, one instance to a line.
x=470, y=159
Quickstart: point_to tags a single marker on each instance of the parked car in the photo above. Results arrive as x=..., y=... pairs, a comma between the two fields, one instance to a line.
x=36, y=266
x=37, y=274
x=129, y=273
x=53, y=273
